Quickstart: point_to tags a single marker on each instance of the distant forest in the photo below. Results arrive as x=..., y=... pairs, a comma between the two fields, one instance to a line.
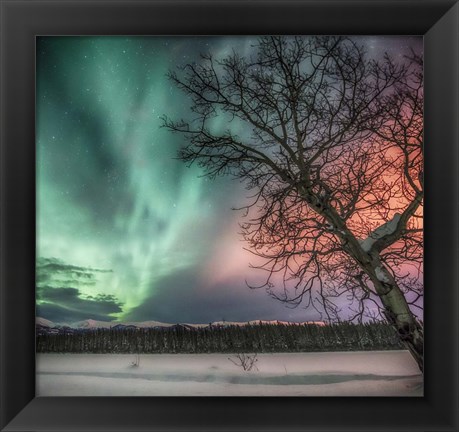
x=260, y=338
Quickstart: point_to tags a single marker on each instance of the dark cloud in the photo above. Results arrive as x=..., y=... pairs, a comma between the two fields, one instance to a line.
x=180, y=298
x=57, y=265
x=63, y=304
x=62, y=315
x=53, y=269
x=56, y=294
x=59, y=297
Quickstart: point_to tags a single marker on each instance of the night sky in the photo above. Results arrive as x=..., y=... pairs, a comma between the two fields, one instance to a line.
x=125, y=231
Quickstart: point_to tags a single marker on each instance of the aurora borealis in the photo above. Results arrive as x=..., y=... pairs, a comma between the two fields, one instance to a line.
x=124, y=229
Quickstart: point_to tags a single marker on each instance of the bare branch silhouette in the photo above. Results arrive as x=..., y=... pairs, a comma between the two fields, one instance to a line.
x=331, y=144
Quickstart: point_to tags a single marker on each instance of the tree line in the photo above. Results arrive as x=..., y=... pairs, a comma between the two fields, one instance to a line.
x=260, y=338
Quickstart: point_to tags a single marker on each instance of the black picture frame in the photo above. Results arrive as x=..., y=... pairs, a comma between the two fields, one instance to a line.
x=22, y=21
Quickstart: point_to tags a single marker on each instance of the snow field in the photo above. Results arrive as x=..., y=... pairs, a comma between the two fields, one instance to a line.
x=373, y=373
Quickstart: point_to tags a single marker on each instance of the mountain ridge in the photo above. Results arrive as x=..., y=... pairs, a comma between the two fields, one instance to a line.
x=94, y=324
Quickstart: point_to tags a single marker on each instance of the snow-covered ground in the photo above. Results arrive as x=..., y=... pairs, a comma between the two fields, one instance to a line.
x=375, y=373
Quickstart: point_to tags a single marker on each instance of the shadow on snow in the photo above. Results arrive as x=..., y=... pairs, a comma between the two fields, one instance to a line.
x=242, y=379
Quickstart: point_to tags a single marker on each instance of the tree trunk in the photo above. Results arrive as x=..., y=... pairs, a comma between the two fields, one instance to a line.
x=396, y=309
x=402, y=319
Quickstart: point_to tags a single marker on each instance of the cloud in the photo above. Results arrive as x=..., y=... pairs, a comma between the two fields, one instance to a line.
x=61, y=315
x=62, y=304
x=46, y=266
x=60, y=299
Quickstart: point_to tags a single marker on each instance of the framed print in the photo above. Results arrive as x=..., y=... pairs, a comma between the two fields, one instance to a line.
x=143, y=285
x=129, y=132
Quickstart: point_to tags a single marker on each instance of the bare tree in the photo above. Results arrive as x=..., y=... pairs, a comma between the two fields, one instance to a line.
x=246, y=361
x=330, y=144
